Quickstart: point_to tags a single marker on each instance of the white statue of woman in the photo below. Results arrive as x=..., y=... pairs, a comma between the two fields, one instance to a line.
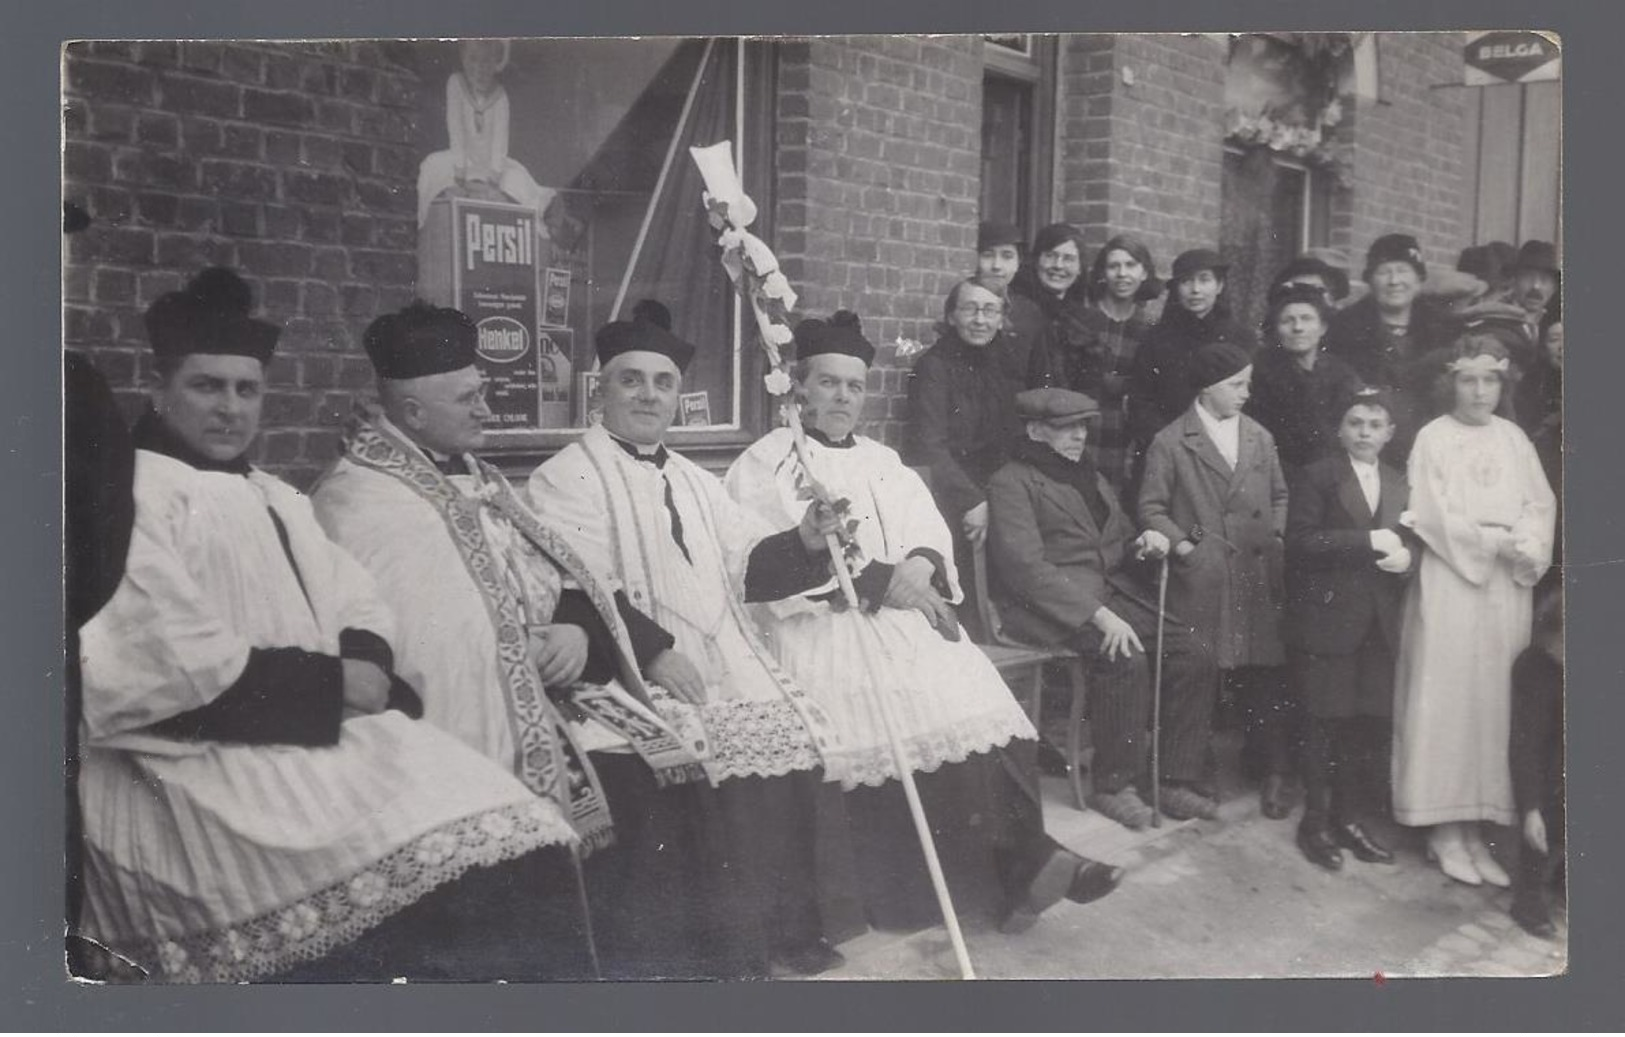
x=477, y=165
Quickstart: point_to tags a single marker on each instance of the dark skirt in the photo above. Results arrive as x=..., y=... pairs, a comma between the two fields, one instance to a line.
x=988, y=826
x=704, y=882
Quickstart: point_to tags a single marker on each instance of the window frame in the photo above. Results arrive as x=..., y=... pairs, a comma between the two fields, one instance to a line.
x=755, y=88
x=1037, y=69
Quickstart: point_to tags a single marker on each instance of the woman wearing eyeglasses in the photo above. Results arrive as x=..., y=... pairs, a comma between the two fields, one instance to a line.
x=962, y=411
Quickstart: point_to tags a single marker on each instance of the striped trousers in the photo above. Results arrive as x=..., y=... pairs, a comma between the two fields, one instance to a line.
x=1120, y=700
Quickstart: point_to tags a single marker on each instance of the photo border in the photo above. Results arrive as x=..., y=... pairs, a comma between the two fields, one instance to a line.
x=34, y=992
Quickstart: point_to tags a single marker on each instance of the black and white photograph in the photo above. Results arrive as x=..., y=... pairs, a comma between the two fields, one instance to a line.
x=1056, y=506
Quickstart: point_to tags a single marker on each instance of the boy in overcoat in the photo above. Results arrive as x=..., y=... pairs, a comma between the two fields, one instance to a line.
x=1346, y=574
x=1214, y=487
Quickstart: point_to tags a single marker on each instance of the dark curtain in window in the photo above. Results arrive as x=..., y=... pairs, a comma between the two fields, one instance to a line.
x=678, y=263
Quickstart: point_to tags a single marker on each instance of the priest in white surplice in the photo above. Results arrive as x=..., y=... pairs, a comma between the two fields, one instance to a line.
x=689, y=557
x=495, y=606
x=256, y=799
x=965, y=735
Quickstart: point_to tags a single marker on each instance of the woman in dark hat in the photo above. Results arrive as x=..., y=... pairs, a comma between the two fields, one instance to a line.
x=1388, y=335
x=1091, y=348
x=1296, y=386
x=1196, y=315
x=257, y=799
x=1314, y=272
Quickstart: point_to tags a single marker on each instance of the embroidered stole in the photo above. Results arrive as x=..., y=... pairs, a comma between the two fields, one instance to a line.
x=546, y=758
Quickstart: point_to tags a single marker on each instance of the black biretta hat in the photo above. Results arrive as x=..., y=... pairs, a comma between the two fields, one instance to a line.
x=842, y=333
x=210, y=315
x=421, y=340
x=632, y=336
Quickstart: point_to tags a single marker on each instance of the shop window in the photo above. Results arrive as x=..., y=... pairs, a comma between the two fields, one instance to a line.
x=599, y=131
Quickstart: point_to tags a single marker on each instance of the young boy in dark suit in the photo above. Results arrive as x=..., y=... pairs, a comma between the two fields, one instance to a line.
x=1346, y=568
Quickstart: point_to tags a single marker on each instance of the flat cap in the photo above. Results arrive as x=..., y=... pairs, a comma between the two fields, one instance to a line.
x=1056, y=406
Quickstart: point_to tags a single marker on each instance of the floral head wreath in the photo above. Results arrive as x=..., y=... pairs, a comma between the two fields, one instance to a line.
x=1483, y=363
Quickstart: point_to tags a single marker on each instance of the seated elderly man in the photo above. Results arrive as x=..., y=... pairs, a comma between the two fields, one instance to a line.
x=1062, y=551
x=257, y=800
x=689, y=558
x=962, y=731
x=478, y=583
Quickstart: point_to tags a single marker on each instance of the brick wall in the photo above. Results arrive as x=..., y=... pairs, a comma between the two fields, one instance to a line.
x=878, y=165
x=293, y=163
x=1142, y=139
x=1408, y=160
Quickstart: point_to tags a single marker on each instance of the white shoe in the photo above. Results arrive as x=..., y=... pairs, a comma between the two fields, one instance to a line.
x=1453, y=858
x=1484, y=862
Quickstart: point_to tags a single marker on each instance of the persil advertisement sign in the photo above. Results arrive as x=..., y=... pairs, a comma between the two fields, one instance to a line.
x=497, y=287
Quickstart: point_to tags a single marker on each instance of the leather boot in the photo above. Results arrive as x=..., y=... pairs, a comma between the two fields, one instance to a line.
x=1314, y=832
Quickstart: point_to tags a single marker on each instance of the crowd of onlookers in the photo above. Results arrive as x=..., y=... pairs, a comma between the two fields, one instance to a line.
x=1356, y=504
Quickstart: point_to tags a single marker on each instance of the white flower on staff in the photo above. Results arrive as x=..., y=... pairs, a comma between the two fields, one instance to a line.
x=759, y=256
x=777, y=334
x=731, y=238
x=777, y=286
x=777, y=383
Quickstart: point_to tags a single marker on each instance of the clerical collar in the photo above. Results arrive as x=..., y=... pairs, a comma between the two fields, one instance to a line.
x=657, y=457
x=842, y=444
x=150, y=433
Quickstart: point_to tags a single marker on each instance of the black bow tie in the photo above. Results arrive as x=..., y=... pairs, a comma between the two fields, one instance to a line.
x=658, y=458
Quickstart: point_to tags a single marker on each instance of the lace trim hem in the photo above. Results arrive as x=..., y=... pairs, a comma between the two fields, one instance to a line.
x=872, y=764
x=314, y=926
x=757, y=740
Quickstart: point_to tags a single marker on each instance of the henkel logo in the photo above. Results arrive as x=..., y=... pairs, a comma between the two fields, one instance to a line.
x=502, y=340
x=1510, y=56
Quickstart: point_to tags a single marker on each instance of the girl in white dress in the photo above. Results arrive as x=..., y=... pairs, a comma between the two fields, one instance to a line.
x=1485, y=514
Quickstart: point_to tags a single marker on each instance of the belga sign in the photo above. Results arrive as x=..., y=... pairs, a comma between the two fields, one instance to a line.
x=1512, y=57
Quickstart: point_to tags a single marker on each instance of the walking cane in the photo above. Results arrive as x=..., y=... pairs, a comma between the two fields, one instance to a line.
x=905, y=773
x=1156, y=699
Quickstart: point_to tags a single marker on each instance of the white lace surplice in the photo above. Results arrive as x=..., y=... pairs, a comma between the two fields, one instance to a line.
x=945, y=697
x=223, y=862
x=1467, y=617
x=761, y=723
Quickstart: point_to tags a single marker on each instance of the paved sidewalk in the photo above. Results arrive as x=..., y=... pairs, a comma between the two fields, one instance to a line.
x=1233, y=898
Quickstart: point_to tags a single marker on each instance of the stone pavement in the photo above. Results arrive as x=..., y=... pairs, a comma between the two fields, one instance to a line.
x=1233, y=898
